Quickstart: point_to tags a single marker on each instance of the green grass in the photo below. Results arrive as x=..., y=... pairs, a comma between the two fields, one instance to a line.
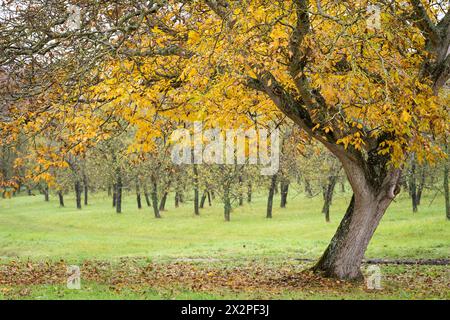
x=42, y=231
x=95, y=291
x=32, y=228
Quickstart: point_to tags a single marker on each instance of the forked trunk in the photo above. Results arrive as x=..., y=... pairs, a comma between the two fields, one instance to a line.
x=328, y=191
x=202, y=200
x=343, y=256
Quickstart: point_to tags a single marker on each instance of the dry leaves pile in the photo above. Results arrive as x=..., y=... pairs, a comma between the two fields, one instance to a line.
x=211, y=277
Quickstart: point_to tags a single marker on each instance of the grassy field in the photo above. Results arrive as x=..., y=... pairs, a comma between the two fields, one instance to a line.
x=33, y=230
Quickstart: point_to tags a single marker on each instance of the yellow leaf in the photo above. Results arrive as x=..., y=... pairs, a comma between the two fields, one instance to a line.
x=405, y=117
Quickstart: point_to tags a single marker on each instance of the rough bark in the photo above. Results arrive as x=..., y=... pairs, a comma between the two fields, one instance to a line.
x=372, y=196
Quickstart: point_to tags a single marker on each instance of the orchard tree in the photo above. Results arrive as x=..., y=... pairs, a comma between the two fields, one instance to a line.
x=371, y=94
x=369, y=88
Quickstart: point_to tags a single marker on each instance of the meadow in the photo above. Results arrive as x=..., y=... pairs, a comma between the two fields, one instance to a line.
x=33, y=232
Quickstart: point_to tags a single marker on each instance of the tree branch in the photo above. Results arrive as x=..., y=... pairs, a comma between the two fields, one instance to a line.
x=222, y=9
x=424, y=23
x=296, y=110
x=298, y=59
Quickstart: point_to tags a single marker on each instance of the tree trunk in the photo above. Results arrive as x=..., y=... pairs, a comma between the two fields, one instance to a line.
x=273, y=183
x=284, y=193
x=241, y=196
x=114, y=195
x=203, y=199
x=308, y=189
x=177, y=199
x=162, y=204
x=413, y=186
x=146, y=196
x=421, y=185
x=446, y=191
x=155, y=198
x=86, y=190
x=249, y=192
x=138, y=195
x=343, y=256
x=78, y=194
x=227, y=203
x=196, y=194
x=61, y=198
x=328, y=196
x=209, y=197
x=46, y=196
x=119, y=187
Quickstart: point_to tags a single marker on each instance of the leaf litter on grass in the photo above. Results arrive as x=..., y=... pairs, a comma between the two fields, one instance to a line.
x=252, y=278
